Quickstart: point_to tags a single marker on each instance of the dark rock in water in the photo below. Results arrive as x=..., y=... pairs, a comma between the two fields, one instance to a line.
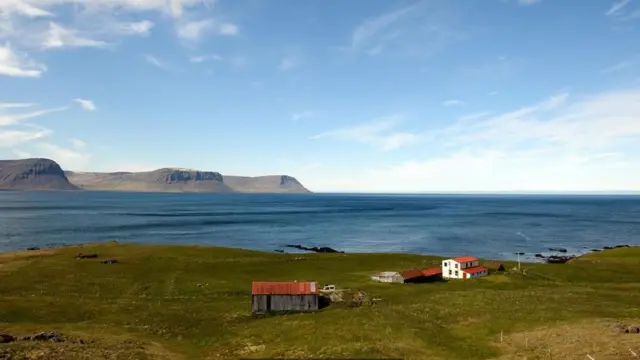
x=278, y=250
x=518, y=253
x=315, y=249
x=608, y=248
x=540, y=256
x=112, y=261
x=86, y=256
x=622, y=246
x=33, y=248
x=558, y=259
x=558, y=249
x=6, y=338
x=595, y=250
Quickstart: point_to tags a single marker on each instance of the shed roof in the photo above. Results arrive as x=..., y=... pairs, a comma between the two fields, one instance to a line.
x=387, y=273
x=462, y=259
x=410, y=274
x=432, y=271
x=475, y=269
x=284, y=288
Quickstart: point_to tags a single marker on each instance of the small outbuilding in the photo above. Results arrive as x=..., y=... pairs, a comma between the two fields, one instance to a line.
x=268, y=297
x=388, y=277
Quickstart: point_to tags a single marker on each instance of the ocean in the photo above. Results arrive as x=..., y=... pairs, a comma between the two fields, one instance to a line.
x=487, y=226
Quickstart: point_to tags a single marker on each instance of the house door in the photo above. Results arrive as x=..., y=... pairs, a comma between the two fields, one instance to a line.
x=466, y=276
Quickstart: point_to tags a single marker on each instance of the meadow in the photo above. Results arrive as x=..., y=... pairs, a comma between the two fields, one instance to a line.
x=191, y=302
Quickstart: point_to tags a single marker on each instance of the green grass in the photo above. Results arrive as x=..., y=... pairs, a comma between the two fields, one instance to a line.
x=152, y=297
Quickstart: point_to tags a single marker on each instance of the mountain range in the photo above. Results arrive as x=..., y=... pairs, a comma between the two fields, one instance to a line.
x=46, y=174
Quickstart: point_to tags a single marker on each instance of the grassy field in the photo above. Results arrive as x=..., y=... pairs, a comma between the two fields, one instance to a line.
x=171, y=302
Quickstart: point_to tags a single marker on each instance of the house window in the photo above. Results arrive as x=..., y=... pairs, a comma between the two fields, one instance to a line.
x=446, y=264
x=456, y=266
x=456, y=272
x=449, y=271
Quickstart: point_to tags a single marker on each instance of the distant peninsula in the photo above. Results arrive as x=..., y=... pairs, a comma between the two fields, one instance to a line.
x=46, y=174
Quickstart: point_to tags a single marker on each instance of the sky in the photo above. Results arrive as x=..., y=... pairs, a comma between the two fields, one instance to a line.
x=346, y=96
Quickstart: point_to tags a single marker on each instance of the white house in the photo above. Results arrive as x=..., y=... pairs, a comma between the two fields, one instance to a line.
x=463, y=267
x=388, y=277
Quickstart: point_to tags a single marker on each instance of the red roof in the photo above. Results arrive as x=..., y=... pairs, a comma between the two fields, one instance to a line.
x=432, y=271
x=410, y=274
x=462, y=259
x=475, y=269
x=284, y=288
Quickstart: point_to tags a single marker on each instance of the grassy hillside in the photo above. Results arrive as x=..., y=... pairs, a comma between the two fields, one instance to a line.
x=169, y=302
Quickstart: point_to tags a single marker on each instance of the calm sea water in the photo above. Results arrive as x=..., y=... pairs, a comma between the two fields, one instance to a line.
x=486, y=226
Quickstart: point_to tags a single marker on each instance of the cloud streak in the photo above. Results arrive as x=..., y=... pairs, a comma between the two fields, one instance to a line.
x=15, y=64
x=86, y=104
x=379, y=133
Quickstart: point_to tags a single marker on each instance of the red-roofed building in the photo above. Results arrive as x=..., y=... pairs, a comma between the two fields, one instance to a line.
x=463, y=267
x=284, y=296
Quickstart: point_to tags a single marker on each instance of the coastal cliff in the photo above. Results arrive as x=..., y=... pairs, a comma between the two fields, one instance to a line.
x=33, y=174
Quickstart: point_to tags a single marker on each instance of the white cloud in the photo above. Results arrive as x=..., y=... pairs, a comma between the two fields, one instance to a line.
x=378, y=133
x=78, y=144
x=7, y=119
x=194, y=30
x=9, y=105
x=11, y=138
x=86, y=104
x=453, y=103
x=134, y=28
x=68, y=159
x=288, y=63
x=302, y=115
x=493, y=93
x=205, y=58
x=586, y=144
x=617, y=67
x=60, y=37
x=616, y=7
x=13, y=63
x=475, y=116
x=528, y=2
x=157, y=62
x=372, y=27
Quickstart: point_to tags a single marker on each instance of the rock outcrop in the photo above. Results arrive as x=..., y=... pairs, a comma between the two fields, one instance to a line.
x=33, y=174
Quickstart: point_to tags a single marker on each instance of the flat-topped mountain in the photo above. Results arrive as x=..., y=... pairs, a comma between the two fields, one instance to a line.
x=33, y=174
x=46, y=174
x=184, y=180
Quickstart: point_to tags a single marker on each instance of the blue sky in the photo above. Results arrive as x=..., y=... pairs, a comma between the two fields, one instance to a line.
x=368, y=95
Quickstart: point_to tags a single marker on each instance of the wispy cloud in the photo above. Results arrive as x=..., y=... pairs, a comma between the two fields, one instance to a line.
x=307, y=114
x=617, y=7
x=13, y=63
x=453, y=103
x=86, y=104
x=528, y=2
x=9, y=105
x=288, y=63
x=617, y=67
x=475, y=116
x=142, y=27
x=205, y=58
x=157, y=62
x=420, y=29
x=78, y=144
x=11, y=138
x=194, y=30
x=12, y=119
x=58, y=37
x=378, y=133
x=493, y=93
x=561, y=143
x=72, y=159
